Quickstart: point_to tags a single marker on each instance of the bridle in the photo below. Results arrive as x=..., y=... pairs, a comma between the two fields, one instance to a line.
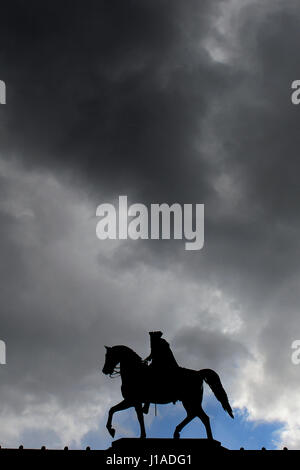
x=115, y=373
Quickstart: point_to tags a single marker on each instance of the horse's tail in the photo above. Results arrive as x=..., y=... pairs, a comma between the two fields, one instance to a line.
x=213, y=380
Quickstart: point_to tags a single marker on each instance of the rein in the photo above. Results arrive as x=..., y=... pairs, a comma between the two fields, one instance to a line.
x=115, y=373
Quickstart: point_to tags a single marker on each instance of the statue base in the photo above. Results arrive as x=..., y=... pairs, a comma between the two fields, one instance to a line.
x=161, y=445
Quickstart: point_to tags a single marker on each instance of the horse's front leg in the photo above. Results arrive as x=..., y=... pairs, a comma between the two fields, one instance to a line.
x=140, y=417
x=123, y=405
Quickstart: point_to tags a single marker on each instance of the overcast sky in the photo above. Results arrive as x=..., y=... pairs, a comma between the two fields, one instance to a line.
x=165, y=101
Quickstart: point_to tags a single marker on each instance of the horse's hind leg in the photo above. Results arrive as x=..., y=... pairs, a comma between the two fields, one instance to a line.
x=140, y=416
x=123, y=405
x=205, y=420
x=190, y=416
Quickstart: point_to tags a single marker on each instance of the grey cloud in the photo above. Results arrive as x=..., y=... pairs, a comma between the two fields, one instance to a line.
x=210, y=349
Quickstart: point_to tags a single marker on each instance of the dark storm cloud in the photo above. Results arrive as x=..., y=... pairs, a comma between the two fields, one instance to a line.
x=260, y=142
x=118, y=95
x=114, y=91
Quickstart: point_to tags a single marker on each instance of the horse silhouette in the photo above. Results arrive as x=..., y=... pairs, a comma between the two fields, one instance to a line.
x=141, y=385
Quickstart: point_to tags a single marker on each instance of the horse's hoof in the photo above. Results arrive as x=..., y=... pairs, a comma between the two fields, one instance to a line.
x=176, y=435
x=143, y=437
x=112, y=432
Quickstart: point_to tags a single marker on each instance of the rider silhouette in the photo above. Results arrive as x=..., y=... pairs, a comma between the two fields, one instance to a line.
x=162, y=360
x=161, y=355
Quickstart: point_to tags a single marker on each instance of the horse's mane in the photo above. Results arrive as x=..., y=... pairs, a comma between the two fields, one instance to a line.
x=125, y=350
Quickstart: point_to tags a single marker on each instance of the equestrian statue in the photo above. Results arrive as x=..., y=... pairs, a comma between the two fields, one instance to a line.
x=161, y=382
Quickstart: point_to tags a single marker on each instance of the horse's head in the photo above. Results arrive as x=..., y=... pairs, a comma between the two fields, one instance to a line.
x=118, y=354
x=112, y=359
